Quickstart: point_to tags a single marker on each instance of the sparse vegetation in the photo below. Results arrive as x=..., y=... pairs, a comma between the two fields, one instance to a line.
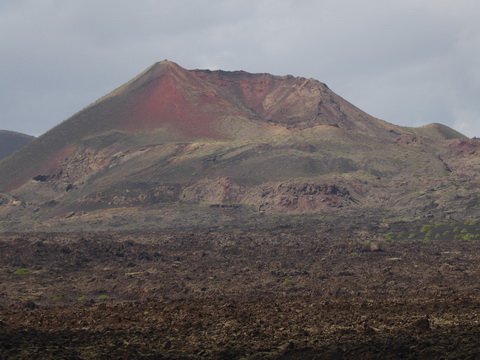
x=426, y=228
x=389, y=236
x=23, y=272
x=429, y=234
x=439, y=231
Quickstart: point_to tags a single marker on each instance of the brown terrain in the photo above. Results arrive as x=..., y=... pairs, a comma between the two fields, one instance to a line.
x=292, y=294
x=226, y=215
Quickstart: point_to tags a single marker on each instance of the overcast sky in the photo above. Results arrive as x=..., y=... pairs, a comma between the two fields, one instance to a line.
x=409, y=62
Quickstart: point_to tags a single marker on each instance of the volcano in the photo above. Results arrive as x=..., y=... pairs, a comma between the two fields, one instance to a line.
x=175, y=146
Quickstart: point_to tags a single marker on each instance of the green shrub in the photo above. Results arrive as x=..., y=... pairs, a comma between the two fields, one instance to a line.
x=389, y=236
x=438, y=236
x=400, y=235
x=464, y=231
x=456, y=229
x=58, y=298
x=23, y=272
x=82, y=298
x=426, y=228
x=447, y=233
x=103, y=297
x=468, y=237
x=429, y=234
x=412, y=236
x=453, y=224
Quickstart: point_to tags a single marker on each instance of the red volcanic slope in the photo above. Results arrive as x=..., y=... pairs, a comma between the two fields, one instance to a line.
x=181, y=102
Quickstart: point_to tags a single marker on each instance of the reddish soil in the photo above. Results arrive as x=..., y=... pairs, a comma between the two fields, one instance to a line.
x=251, y=295
x=163, y=104
x=178, y=100
x=466, y=145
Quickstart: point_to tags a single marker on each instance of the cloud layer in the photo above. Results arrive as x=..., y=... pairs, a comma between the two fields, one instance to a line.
x=408, y=62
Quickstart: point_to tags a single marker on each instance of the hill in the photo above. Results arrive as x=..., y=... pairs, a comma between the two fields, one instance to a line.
x=175, y=147
x=12, y=141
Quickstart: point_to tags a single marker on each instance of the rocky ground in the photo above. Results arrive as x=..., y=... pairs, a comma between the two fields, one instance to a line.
x=292, y=294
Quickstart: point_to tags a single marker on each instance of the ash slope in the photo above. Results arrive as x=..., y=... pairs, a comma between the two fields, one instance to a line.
x=173, y=147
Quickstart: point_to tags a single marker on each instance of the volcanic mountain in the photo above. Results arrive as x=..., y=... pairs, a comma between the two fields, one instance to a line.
x=11, y=141
x=175, y=146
